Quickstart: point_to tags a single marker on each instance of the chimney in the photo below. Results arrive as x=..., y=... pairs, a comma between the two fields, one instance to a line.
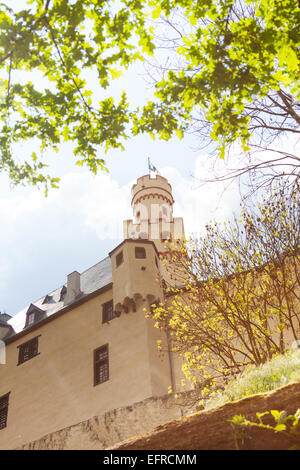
x=4, y=316
x=73, y=287
x=5, y=329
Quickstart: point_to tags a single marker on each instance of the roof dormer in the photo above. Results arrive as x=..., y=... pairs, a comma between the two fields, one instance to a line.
x=48, y=299
x=33, y=315
x=62, y=293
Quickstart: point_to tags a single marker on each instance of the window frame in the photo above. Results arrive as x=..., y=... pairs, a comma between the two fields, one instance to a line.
x=163, y=236
x=107, y=316
x=119, y=258
x=4, y=401
x=98, y=363
x=140, y=249
x=30, y=318
x=34, y=313
x=33, y=350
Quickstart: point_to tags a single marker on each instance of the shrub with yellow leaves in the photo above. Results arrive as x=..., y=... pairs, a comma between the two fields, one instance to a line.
x=238, y=299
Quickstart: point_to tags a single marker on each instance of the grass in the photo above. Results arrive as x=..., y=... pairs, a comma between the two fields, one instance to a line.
x=281, y=370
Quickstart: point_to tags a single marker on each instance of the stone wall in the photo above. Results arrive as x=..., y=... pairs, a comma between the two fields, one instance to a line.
x=163, y=423
x=211, y=429
x=101, y=432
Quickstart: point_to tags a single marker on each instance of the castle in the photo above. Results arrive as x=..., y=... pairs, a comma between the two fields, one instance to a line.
x=87, y=348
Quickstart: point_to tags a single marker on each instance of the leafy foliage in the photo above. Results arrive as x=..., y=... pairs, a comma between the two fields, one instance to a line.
x=62, y=39
x=280, y=370
x=235, y=299
x=287, y=425
x=238, y=75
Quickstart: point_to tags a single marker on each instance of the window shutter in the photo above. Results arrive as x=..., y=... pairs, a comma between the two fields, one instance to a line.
x=3, y=410
x=101, y=365
x=28, y=350
x=107, y=311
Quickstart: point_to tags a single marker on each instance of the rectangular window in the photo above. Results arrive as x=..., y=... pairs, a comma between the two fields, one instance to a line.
x=107, y=311
x=119, y=258
x=28, y=350
x=165, y=236
x=3, y=410
x=101, y=367
x=30, y=319
x=140, y=252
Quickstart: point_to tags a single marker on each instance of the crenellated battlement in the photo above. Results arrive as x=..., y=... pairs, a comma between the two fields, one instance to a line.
x=152, y=188
x=152, y=205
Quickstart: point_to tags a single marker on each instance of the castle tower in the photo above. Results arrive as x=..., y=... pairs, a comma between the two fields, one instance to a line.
x=152, y=204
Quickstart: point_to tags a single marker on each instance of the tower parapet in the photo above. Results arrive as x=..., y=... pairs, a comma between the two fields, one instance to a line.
x=147, y=187
x=152, y=204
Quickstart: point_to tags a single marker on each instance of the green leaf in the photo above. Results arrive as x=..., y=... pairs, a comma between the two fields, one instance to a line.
x=115, y=73
x=179, y=133
x=156, y=13
x=280, y=427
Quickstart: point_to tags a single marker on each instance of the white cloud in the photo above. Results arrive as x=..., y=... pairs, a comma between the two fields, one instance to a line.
x=199, y=204
x=100, y=204
x=43, y=239
x=104, y=207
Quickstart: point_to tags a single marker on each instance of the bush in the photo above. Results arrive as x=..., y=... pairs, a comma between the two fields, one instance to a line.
x=279, y=371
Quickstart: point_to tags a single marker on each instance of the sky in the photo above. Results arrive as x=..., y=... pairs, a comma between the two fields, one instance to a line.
x=42, y=240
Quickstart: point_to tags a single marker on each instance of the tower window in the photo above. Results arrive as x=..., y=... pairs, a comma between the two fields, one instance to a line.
x=119, y=258
x=28, y=350
x=164, y=212
x=3, y=410
x=107, y=311
x=165, y=236
x=101, y=366
x=140, y=252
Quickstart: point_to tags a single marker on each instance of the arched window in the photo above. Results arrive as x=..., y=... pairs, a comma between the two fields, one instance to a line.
x=165, y=212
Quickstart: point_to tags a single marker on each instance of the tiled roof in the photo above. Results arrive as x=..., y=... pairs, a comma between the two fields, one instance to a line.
x=91, y=280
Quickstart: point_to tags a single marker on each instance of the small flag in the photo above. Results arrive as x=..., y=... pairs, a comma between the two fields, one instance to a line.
x=152, y=167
